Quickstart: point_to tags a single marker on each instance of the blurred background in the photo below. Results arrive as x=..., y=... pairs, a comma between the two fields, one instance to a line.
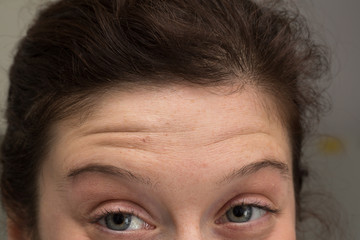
x=333, y=153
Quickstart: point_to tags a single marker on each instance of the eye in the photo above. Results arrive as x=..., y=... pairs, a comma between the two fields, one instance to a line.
x=244, y=213
x=119, y=221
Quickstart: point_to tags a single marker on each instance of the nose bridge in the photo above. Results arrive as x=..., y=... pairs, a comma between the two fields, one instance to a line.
x=193, y=232
x=188, y=223
x=188, y=207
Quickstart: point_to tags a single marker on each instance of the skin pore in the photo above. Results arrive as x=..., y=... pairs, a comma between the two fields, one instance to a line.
x=177, y=162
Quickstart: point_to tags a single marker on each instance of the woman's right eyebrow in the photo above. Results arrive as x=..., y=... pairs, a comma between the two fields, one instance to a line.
x=109, y=170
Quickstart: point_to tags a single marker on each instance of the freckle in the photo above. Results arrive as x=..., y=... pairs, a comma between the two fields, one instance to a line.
x=204, y=165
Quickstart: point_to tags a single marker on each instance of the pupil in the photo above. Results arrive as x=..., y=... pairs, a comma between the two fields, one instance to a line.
x=241, y=211
x=238, y=211
x=239, y=214
x=118, y=219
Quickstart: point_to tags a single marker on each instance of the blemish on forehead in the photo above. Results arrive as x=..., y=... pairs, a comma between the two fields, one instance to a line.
x=146, y=139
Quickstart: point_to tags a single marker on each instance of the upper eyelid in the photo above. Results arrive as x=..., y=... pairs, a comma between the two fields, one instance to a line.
x=105, y=212
x=257, y=204
x=97, y=217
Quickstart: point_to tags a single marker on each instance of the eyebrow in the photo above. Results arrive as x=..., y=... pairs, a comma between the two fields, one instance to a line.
x=252, y=168
x=134, y=177
x=109, y=170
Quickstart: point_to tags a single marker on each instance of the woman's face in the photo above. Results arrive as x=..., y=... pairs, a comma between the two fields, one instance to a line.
x=172, y=163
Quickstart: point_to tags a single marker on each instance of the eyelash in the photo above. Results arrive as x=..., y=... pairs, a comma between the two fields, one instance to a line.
x=257, y=204
x=104, y=213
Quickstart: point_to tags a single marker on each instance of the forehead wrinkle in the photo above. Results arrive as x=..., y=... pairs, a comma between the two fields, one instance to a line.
x=127, y=125
x=149, y=141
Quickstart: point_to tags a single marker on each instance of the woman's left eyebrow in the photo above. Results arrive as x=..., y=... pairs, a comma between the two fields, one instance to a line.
x=254, y=167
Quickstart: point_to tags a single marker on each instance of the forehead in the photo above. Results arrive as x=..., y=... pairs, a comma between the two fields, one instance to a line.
x=181, y=108
x=184, y=141
x=178, y=122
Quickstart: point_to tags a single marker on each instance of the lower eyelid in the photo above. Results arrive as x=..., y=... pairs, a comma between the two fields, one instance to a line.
x=263, y=224
x=135, y=234
x=223, y=219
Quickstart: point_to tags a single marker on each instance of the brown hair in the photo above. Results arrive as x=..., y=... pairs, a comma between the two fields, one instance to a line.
x=78, y=48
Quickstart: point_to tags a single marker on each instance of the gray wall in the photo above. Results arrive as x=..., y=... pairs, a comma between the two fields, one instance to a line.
x=14, y=17
x=336, y=154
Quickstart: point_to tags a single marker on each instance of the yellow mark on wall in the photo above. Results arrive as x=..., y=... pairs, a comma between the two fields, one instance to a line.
x=330, y=145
